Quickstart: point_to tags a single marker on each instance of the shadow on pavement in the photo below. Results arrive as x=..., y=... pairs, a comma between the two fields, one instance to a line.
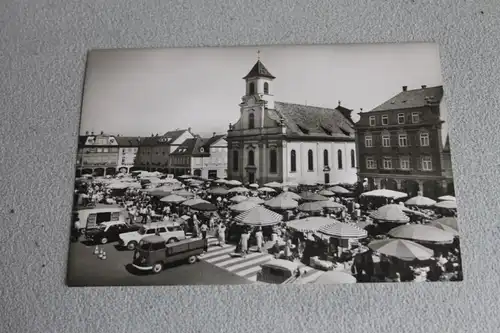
x=121, y=248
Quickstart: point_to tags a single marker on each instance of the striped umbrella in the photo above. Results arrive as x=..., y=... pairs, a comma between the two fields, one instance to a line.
x=281, y=203
x=420, y=201
x=401, y=249
x=423, y=233
x=343, y=231
x=390, y=213
x=446, y=204
x=310, y=224
x=238, y=198
x=309, y=207
x=259, y=216
x=257, y=200
x=243, y=206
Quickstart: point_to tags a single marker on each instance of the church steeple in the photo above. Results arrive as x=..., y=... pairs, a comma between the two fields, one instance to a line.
x=258, y=83
x=259, y=70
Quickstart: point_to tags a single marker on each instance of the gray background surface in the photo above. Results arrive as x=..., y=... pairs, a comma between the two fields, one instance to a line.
x=42, y=53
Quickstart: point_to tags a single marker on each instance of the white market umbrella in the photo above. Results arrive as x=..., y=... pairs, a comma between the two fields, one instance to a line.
x=273, y=184
x=239, y=190
x=390, y=213
x=331, y=205
x=221, y=181
x=238, y=198
x=311, y=207
x=243, y=206
x=401, y=249
x=259, y=216
x=447, y=221
x=233, y=182
x=266, y=190
x=257, y=200
x=185, y=176
x=423, y=233
x=290, y=195
x=194, y=201
x=385, y=194
x=343, y=231
x=281, y=203
x=254, y=185
x=117, y=186
x=447, y=198
x=339, y=190
x=326, y=193
x=446, y=204
x=335, y=277
x=420, y=201
x=173, y=198
x=310, y=224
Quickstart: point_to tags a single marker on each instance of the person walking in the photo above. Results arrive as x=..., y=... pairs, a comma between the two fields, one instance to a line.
x=221, y=234
x=244, y=243
x=204, y=232
x=259, y=236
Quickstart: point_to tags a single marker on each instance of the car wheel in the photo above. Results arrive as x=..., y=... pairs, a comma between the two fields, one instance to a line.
x=172, y=240
x=131, y=245
x=157, y=267
x=192, y=259
x=104, y=240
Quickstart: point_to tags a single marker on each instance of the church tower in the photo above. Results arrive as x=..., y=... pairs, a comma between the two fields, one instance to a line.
x=258, y=97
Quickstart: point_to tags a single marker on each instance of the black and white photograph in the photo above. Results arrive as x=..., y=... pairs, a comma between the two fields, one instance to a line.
x=317, y=164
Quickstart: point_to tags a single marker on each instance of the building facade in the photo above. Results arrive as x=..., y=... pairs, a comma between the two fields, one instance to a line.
x=97, y=155
x=403, y=144
x=203, y=157
x=285, y=142
x=128, y=148
x=154, y=151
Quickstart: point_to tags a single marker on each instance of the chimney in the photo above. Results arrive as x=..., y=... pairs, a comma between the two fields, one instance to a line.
x=86, y=132
x=360, y=110
x=92, y=133
x=424, y=86
x=340, y=102
x=405, y=88
x=189, y=129
x=102, y=132
x=213, y=134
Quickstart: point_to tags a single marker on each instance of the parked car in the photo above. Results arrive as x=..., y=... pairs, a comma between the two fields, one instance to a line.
x=153, y=253
x=279, y=271
x=91, y=218
x=110, y=231
x=170, y=231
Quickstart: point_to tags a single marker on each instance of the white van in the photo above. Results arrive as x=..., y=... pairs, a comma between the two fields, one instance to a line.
x=170, y=231
x=91, y=218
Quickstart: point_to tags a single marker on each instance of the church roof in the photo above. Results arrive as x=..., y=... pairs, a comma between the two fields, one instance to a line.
x=259, y=70
x=197, y=147
x=412, y=99
x=313, y=121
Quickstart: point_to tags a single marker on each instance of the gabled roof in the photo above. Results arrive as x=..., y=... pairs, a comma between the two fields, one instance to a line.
x=127, y=141
x=412, y=99
x=306, y=120
x=197, y=147
x=174, y=135
x=259, y=70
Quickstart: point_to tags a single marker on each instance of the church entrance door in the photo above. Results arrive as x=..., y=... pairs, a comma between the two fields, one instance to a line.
x=327, y=178
x=251, y=177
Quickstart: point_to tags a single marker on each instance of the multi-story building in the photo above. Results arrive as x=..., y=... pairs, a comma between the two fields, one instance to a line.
x=403, y=144
x=128, y=147
x=285, y=142
x=97, y=154
x=154, y=151
x=205, y=157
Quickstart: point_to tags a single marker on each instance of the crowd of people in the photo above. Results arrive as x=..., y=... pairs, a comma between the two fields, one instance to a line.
x=282, y=242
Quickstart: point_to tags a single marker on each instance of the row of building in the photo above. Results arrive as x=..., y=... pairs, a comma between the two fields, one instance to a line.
x=402, y=144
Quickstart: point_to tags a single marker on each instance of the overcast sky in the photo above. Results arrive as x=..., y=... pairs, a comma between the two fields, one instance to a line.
x=139, y=92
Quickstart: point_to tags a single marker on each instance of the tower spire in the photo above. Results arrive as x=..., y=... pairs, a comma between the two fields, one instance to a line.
x=258, y=55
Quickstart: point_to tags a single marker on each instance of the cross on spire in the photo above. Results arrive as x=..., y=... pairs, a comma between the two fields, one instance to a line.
x=258, y=54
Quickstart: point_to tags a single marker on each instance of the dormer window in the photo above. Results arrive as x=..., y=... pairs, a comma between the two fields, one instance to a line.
x=202, y=150
x=303, y=129
x=251, y=88
x=326, y=130
x=266, y=88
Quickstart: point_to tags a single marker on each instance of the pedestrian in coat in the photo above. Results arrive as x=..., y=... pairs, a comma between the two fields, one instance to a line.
x=260, y=239
x=244, y=243
x=221, y=234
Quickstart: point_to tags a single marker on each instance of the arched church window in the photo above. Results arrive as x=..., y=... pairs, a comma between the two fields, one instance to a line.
x=273, y=165
x=310, y=160
x=251, y=157
x=251, y=88
x=251, y=121
x=236, y=158
x=293, y=161
x=266, y=88
x=339, y=158
x=353, y=159
x=325, y=157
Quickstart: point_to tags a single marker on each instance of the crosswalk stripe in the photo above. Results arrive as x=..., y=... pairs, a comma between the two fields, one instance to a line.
x=214, y=255
x=251, y=270
x=255, y=261
x=231, y=261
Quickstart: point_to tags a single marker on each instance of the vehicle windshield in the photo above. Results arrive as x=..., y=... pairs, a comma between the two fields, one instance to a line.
x=144, y=245
x=142, y=231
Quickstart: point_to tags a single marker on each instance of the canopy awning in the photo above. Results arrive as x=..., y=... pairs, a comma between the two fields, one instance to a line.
x=310, y=224
x=420, y=201
x=423, y=233
x=243, y=206
x=343, y=231
x=385, y=194
x=391, y=213
x=259, y=216
x=281, y=203
x=401, y=249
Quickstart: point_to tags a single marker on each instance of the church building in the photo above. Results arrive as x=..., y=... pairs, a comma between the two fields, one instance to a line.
x=286, y=142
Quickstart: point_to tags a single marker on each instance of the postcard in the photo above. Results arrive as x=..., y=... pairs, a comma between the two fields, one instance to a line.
x=324, y=164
